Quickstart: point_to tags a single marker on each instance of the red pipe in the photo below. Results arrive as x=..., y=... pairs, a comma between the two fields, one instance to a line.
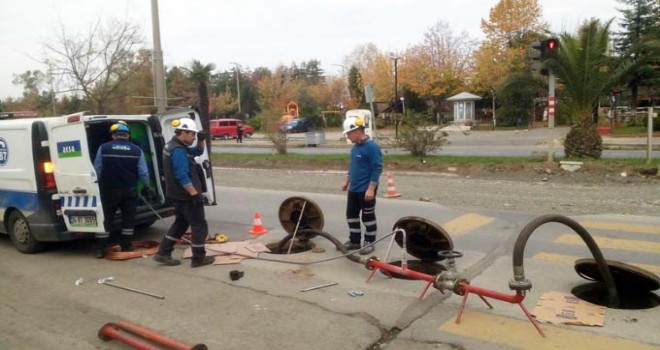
x=395, y=269
x=157, y=338
x=513, y=299
x=109, y=332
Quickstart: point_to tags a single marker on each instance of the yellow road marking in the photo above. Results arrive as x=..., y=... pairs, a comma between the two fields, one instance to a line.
x=570, y=259
x=620, y=226
x=466, y=223
x=612, y=243
x=522, y=334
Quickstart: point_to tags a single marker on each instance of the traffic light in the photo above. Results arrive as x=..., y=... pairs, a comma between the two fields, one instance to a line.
x=546, y=48
x=540, y=47
x=551, y=47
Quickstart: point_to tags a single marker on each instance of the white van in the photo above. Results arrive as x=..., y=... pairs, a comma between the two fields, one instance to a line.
x=369, y=125
x=48, y=186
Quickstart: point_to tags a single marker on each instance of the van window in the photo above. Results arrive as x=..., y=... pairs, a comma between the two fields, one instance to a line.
x=224, y=123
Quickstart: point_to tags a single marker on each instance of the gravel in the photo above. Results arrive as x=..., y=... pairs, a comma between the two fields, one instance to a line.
x=542, y=194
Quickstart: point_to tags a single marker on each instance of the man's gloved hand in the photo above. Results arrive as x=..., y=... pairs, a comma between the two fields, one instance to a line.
x=198, y=199
x=201, y=136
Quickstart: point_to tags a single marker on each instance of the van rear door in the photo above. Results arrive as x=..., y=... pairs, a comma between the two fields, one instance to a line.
x=203, y=161
x=77, y=184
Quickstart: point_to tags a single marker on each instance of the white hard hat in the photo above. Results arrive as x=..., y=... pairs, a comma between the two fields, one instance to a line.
x=185, y=124
x=353, y=123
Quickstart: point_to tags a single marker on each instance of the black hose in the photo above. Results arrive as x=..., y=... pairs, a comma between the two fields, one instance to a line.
x=526, y=232
x=331, y=238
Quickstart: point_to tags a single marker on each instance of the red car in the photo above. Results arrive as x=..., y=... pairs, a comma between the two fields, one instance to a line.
x=226, y=129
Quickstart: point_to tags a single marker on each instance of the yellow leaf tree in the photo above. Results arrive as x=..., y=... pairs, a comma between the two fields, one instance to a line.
x=511, y=26
x=439, y=65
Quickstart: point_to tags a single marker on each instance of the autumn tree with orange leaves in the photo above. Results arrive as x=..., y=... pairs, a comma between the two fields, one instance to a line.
x=511, y=27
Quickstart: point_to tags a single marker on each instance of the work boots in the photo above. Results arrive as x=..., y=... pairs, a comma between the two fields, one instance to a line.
x=99, y=247
x=166, y=260
x=201, y=262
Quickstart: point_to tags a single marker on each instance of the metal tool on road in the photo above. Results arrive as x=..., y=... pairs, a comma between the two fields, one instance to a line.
x=319, y=287
x=106, y=281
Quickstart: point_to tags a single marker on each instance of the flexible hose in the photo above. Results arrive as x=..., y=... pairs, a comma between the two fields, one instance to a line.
x=526, y=232
x=331, y=238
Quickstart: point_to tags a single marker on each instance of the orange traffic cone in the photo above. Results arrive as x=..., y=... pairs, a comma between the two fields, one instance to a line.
x=391, y=190
x=257, y=227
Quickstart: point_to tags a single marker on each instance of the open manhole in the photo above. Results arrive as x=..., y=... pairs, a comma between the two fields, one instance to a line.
x=635, y=285
x=299, y=246
x=424, y=238
x=426, y=267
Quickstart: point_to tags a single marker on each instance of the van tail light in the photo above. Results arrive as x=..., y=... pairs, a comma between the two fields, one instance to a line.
x=49, y=177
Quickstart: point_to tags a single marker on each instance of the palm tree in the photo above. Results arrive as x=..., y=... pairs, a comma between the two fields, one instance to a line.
x=200, y=74
x=587, y=72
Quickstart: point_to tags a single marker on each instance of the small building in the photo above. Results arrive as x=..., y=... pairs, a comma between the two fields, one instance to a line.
x=464, y=107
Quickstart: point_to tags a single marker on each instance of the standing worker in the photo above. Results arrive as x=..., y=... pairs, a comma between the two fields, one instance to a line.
x=184, y=188
x=239, y=133
x=118, y=164
x=366, y=165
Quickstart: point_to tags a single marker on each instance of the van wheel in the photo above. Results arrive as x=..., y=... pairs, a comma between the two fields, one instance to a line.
x=248, y=135
x=21, y=235
x=225, y=137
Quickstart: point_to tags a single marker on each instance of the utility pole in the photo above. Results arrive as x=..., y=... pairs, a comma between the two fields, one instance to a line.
x=238, y=85
x=396, y=97
x=160, y=95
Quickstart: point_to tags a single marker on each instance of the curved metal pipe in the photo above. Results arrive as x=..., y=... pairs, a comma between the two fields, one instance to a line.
x=519, y=281
x=340, y=246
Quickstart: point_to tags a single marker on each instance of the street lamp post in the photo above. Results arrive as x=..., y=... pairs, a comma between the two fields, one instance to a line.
x=403, y=105
x=238, y=86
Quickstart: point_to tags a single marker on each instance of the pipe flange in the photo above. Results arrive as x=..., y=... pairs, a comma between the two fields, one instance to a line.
x=368, y=262
x=520, y=285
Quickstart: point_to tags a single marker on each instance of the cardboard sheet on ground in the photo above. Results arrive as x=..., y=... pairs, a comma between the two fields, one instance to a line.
x=562, y=308
x=244, y=250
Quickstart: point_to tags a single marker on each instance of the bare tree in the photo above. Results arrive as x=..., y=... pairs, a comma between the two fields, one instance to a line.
x=95, y=63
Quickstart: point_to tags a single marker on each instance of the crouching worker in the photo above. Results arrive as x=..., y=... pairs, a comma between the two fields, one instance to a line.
x=184, y=189
x=119, y=164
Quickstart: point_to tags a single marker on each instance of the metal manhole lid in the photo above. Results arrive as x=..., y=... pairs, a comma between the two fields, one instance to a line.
x=626, y=277
x=290, y=215
x=424, y=238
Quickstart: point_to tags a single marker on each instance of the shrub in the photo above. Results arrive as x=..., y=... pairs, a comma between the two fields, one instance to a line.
x=420, y=138
x=583, y=141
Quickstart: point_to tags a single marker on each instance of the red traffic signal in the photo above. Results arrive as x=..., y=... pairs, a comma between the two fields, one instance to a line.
x=551, y=45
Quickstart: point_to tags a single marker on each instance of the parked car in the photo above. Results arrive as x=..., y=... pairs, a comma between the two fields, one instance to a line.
x=226, y=129
x=299, y=125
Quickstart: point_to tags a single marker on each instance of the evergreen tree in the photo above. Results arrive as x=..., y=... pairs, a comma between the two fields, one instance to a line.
x=640, y=42
x=355, y=85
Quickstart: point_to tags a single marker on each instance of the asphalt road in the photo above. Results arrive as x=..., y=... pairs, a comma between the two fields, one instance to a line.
x=42, y=307
x=521, y=143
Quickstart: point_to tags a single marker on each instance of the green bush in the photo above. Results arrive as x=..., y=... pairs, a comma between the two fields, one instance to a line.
x=583, y=141
x=419, y=137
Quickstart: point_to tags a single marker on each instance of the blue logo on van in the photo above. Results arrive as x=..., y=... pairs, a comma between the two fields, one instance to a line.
x=4, y=151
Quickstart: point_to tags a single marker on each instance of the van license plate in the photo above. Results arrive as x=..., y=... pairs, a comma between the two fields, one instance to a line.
x=82, y=220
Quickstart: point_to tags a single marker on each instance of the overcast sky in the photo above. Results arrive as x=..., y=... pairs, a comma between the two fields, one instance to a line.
x=257, y=33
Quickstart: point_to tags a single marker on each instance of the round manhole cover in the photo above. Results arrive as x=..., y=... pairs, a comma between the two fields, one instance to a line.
x=626, y=277
x=424, y=238
x=302, y=213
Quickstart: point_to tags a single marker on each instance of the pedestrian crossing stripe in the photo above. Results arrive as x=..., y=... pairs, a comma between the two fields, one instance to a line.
x=520, y=334
x=570, y=259
x=621, y=226
x=612, y=243
x=466, y=223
